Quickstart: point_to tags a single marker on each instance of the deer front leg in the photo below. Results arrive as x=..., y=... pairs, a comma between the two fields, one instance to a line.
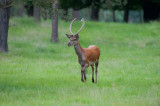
x=82, y=75
x=83, y=72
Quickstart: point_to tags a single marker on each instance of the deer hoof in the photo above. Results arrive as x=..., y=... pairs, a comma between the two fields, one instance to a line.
x=82, y=80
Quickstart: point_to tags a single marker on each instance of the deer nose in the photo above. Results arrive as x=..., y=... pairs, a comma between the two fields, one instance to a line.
x=69, y=44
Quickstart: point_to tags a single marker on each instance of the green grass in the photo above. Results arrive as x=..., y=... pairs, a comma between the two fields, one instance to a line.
x=38, y=72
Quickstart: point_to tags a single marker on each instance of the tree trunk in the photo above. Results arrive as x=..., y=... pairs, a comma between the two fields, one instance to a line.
x=36, y=13
x=20, y=10
x=76, y=14
x=55, y=23
x=114, y=16
x=105, y=15
x=126, y=14
x=94, y=14
x=29, y=9
x=88, y=13
x=4, y=23
x=95, y=10
x=140, y=16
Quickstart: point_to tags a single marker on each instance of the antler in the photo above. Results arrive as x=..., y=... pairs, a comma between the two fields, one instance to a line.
x=82, y=20
x=71, y=26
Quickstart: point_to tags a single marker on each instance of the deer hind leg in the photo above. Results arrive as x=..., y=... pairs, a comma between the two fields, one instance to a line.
x=92, y=73
x=85, y=78
x=96, y=64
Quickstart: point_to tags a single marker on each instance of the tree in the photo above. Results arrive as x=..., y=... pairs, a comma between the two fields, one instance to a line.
x=29, y=7
x=126, y=13
x=113, y=5
x=36, y=13
x=151, y=10
x=20, y=10
x=105, y=15
x=76, y=5
x=95, y=10
x=55, y=23
x=114, y=15
x=131, y=5
x=5, y=14
x=140, y=16
x=4, y=23
x=76, y=14
x=52, y=7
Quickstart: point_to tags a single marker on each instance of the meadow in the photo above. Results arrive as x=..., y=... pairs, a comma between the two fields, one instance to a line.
x=39, y=72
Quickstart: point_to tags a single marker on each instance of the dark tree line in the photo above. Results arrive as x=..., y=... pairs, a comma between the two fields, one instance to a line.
x=151, y=8
x=49, y=8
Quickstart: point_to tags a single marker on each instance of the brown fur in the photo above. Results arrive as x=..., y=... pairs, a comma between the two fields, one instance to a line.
x=86, y=56
x=90, y=54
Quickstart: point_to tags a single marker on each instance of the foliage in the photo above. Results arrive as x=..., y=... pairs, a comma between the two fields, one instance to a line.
x=38, y=72
x=135, y=4
x=155, y=1
x=113, y=4
x=41, y=3
x=76, y=5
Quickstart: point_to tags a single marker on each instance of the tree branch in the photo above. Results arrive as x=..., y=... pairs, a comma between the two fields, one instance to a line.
x=6, y=6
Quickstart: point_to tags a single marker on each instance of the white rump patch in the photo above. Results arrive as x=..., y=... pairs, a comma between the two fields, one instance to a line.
x=91, y=46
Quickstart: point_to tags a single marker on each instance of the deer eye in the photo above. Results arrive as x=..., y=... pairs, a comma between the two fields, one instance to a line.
x=74, y=39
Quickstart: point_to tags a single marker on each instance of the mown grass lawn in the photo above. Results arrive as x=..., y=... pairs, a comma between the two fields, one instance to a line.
x=38, y=72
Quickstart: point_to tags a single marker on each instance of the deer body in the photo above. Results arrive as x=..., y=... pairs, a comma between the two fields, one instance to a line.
x=86, y=56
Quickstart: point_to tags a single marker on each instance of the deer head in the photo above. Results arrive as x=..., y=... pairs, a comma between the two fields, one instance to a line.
x=74, y=37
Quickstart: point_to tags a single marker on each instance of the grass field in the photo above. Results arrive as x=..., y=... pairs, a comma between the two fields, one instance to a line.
x=38, y=72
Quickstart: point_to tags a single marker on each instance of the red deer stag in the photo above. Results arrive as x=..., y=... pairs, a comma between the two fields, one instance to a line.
x=86, y=56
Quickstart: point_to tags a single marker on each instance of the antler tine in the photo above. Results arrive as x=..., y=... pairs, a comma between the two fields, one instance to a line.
x=82, y=25
x=71, y=26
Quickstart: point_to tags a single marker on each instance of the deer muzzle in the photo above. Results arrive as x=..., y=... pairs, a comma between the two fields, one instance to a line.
x=69, y=44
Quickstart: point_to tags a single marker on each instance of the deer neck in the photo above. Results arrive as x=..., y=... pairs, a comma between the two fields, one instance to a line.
x=78, y=50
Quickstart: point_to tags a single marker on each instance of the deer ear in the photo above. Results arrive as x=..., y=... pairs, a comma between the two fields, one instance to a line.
x=69, y=36
x=76, y=36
